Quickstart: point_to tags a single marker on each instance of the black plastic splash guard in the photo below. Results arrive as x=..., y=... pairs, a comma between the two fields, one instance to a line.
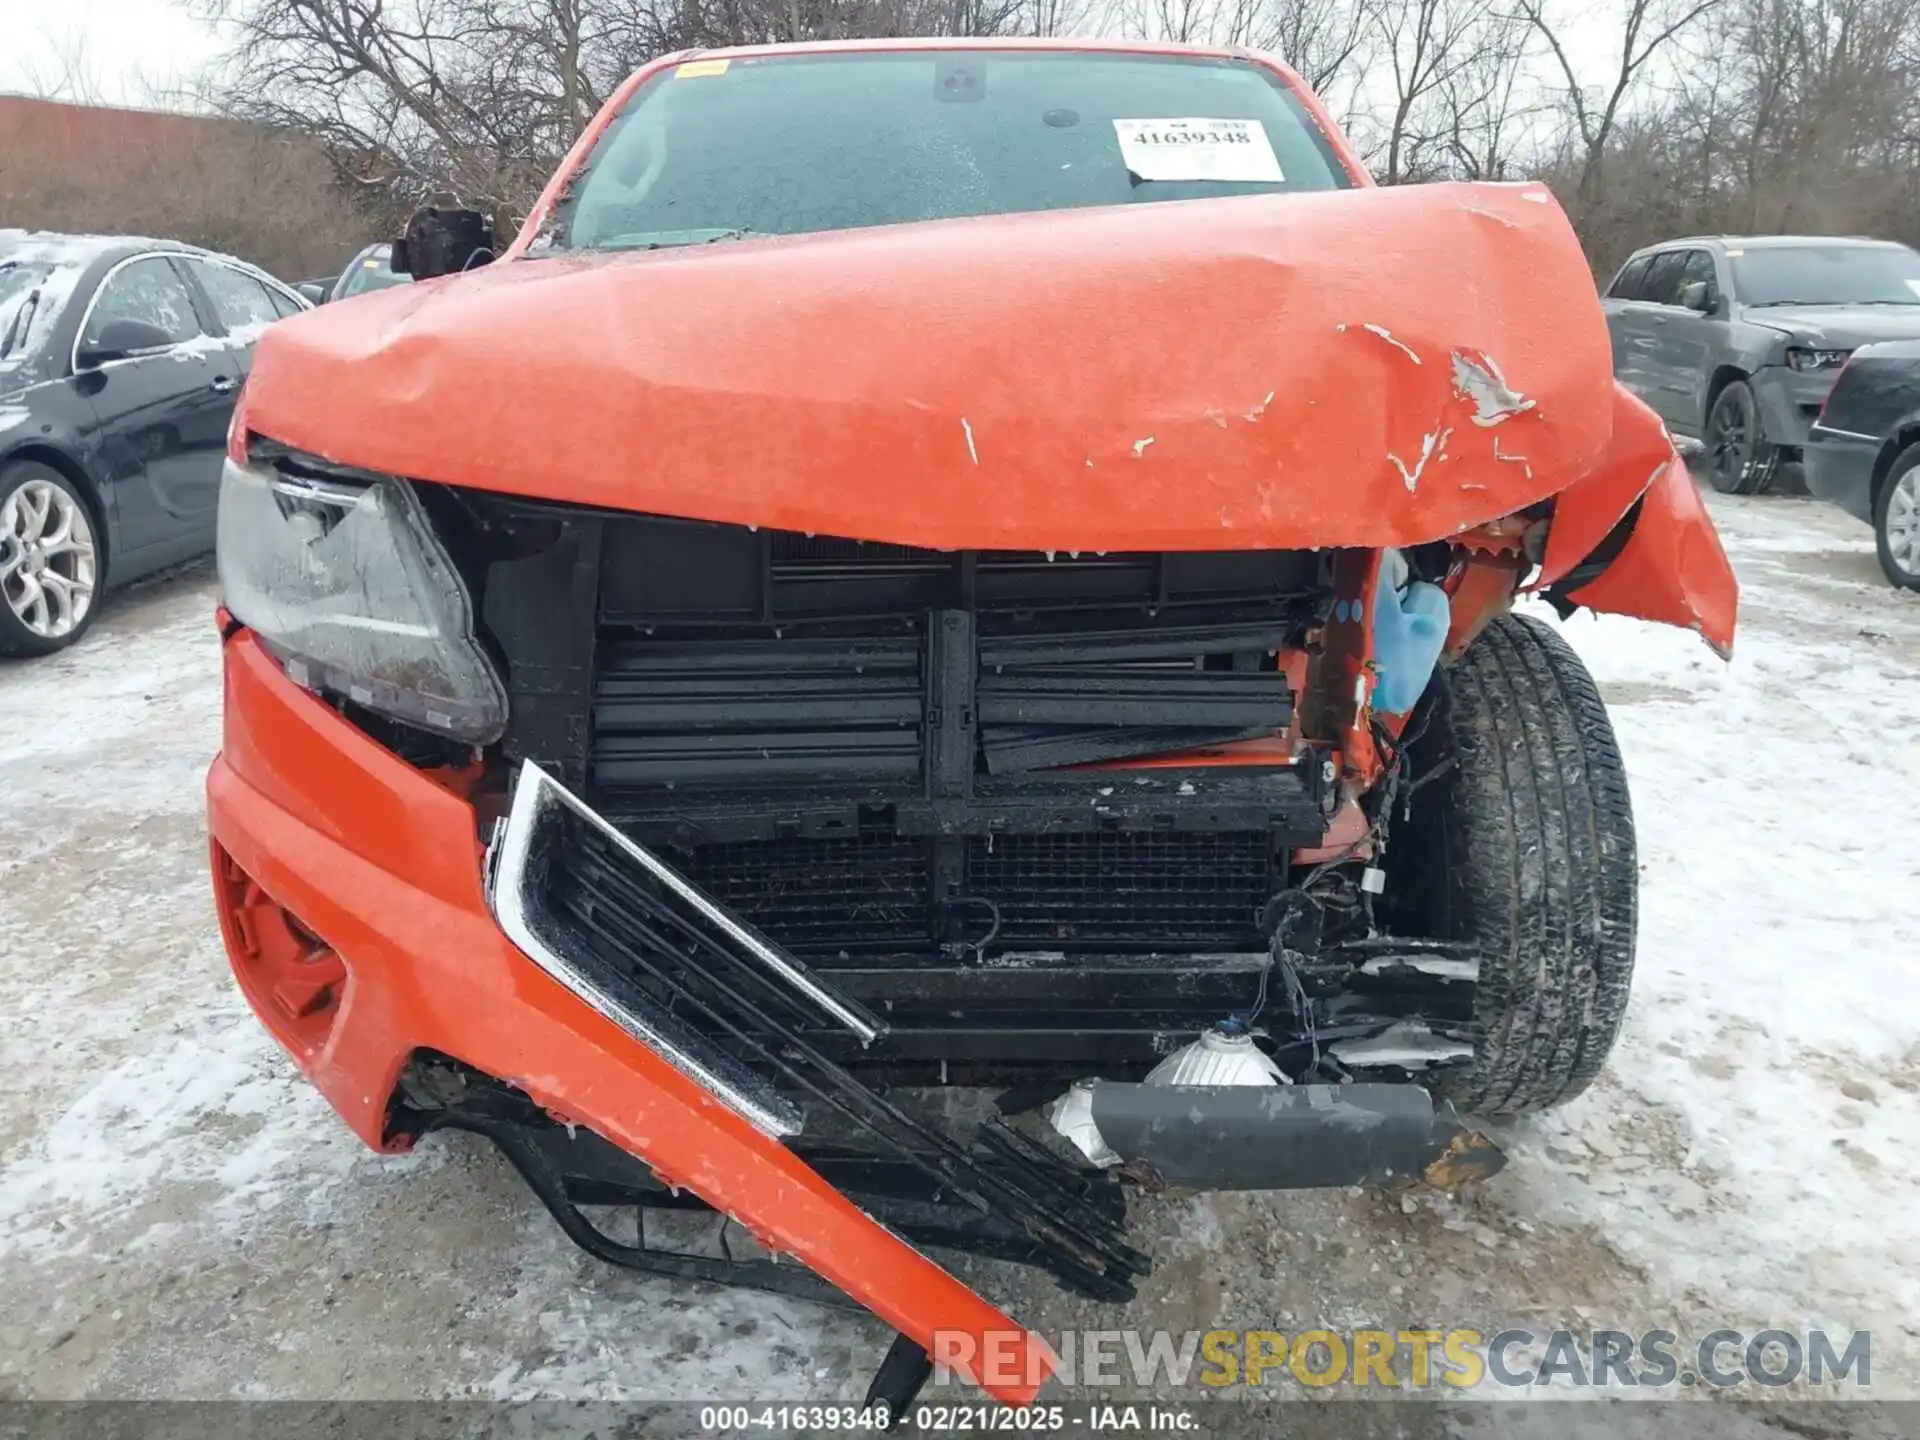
x=575, y=1174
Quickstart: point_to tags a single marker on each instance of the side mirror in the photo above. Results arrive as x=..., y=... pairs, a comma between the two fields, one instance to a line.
x=312, y=291
x=442, y=241
x=1697, y=295
x=121, y=340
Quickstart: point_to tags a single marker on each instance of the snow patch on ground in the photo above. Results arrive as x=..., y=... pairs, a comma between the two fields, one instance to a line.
x=219, y=1110
x=179, y=1208
x=1753, y=1143
x=126, y=1042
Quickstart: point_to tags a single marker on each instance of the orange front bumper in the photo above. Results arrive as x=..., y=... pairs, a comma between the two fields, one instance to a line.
x=382, y=865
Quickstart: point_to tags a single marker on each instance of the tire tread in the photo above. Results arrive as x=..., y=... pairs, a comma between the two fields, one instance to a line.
x=1540, y=863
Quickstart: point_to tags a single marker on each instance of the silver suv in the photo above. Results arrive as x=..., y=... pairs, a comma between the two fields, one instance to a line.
x=1736, y=342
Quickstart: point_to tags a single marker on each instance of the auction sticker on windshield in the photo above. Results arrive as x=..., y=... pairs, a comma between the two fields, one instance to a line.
x=1194, y=149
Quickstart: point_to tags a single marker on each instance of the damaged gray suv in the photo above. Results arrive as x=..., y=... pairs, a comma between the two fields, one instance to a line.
x=1736, y=342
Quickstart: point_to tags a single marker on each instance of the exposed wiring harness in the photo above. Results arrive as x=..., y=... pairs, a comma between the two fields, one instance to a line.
x=1290, y=915
x=1295, y=919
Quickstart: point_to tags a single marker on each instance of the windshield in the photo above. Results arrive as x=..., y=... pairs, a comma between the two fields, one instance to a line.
x=20, y=305
x=372, y=271
x=1827, y=275
x=715, y=149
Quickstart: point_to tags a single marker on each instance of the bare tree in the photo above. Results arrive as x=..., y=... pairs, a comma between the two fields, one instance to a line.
x=1488, y=114
x=1425, y=44
x=1796, y=115
x=1325, y=41
x=1184, y=22
x=1053, y=17
x=66, y=71
x=1706, y=114
x=1328, y=43
x=484, y=96
x=1646, y=27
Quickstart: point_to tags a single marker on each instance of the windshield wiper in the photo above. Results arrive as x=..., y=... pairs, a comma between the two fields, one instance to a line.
x=22, y=321
x=668, y=239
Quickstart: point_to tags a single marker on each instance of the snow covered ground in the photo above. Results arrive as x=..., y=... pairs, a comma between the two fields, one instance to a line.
x=181, y=1216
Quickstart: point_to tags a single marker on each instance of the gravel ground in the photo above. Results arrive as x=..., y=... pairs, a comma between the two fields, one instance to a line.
x=181, y=1217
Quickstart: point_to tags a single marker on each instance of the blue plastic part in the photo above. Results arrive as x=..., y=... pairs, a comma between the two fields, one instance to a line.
x=1410, y=622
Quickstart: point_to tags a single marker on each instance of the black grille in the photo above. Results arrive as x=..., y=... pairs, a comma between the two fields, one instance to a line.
x=1114, y=890
x=881, y=749
x=721, y=710
x=861, y=894
x=733, y=659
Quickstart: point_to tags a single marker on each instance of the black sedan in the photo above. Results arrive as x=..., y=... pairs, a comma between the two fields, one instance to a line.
x=371, y=269
x=120, y=361
x=1863, y=452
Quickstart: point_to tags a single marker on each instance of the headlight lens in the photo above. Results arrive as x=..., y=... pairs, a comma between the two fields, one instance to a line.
x=346, y=583
x=1804, y=358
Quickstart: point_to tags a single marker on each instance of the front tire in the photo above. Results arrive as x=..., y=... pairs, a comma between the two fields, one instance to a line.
x=1740, y=458
x=1896, y=521
x=1523, y=845
x=49, y=561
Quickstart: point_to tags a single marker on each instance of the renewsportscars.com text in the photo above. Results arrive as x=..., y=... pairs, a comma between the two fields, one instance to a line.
x=1457, y=1359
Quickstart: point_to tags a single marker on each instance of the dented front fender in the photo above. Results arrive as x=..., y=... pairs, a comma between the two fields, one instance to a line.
x=1671, y=568
x=1633, y=538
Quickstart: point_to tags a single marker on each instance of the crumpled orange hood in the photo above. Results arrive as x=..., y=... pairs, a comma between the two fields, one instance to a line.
x=1365, y=367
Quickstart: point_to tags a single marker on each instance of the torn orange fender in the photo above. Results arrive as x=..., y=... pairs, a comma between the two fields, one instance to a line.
x=1587, y=511
x=1672, y=568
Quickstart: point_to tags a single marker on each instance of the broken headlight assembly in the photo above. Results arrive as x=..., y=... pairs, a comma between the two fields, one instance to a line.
x=344, y=580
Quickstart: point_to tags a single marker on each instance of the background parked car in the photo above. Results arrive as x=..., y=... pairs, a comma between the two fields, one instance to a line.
x=1864, y=451
x=371, y=269
x=1736, y=341
x=120, y=360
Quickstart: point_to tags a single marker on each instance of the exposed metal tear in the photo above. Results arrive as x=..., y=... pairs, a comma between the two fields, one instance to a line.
x=1393, y=340
x=1477, y=378
x=1441, y=967
x=1407, y=1045
x=1257, y=411
x=1434, y=442
x=1494, y=216
x=1140, y=446
x=1519, y=460
x=970, y=446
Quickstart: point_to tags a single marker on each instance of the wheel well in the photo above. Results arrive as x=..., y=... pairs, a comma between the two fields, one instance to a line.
x=1883, y=462
x=59, y=460
x=1722, y=377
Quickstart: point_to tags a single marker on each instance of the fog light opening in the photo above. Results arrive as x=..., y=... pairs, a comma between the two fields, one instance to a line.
x=293, y=978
